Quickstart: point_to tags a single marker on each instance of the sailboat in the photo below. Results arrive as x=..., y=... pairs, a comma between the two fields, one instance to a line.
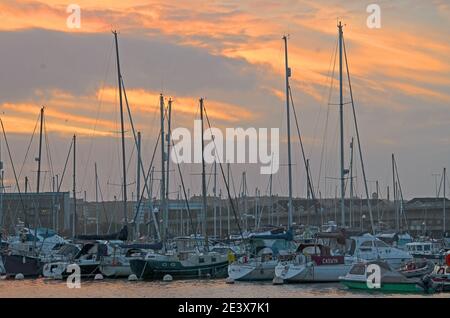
x=26, y=252
x=261, y=259
x=117, y=262
x=23, y=255
x=185, y=261
x=319, y=263
x=315, y=262
x=262, y=255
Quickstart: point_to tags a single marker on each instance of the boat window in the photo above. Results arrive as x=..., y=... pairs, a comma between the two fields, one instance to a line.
x=201, y=260
x=366, y=244
x=427, y=248
x=351, y=251
x=213, y=259
x=381, y=244
x=311, y=250
x=419, y=248
x=358, y=270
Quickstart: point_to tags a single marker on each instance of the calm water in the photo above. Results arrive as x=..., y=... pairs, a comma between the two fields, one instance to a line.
x=185, y=289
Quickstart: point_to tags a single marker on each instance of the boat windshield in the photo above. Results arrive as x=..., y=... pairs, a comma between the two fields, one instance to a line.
x=358, y=269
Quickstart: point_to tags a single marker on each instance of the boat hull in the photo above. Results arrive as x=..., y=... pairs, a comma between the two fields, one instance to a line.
x=385, y=287
x=147, y=269
x=113, y=271
x=2, y=268
x=311, y=274
x=58, y=270
x=26, y=265
x=252, y=272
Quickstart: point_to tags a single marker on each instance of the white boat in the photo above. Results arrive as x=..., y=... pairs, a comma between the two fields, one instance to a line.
x=117, y=262
x=88, y=260
x=28, y=250
x=264, y=251
x=441, y=275
x=254, y=269
x=45, y=240
x=430, y=250
x=390, y=280
x=370, y=248
x=314, y=263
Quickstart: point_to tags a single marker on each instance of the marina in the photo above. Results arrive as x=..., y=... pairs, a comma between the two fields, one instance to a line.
x=180, y=187
x=187, y=289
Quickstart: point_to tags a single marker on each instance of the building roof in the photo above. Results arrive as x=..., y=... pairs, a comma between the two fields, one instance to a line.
x=427, y=200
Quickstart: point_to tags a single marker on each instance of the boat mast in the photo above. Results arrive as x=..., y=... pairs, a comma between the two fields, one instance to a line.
x=341, y=119
x=169, y=120
x=358, y=139
x=122, y=131
x=36, y=212
x=444, y=216
x=40, y=153
x=163, y=176
x=351, y=185
x=205, y=233
x=394, y=186
x=215, y=198
x=228, y=203
x=96, y=196
x=74, y=225
x=138, y=168
x=138, y=186
x=288, y=74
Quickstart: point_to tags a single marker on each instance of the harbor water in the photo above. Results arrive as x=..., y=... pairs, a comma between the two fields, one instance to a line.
x=183, y=289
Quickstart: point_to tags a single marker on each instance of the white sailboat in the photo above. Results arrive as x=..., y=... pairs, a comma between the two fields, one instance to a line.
x=263, y=254
x=261, y=265
x=316, y=263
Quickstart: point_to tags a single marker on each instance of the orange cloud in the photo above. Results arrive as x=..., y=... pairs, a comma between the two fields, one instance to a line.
x=148, y=101
x=68, y=114
x=252, y=30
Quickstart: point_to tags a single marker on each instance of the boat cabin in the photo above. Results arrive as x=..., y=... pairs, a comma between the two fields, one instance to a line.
x=423, y=248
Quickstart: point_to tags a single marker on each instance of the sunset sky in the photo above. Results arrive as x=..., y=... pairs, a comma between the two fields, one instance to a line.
x=231, y=53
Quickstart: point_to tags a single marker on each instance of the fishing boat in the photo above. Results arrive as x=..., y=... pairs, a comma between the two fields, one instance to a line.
x=391, y=281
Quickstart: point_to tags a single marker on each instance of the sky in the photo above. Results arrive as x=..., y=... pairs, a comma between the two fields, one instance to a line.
x=231, y=53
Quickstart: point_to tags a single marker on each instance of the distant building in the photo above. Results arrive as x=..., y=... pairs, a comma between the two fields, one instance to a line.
x=421, y=216
x=51, y=208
